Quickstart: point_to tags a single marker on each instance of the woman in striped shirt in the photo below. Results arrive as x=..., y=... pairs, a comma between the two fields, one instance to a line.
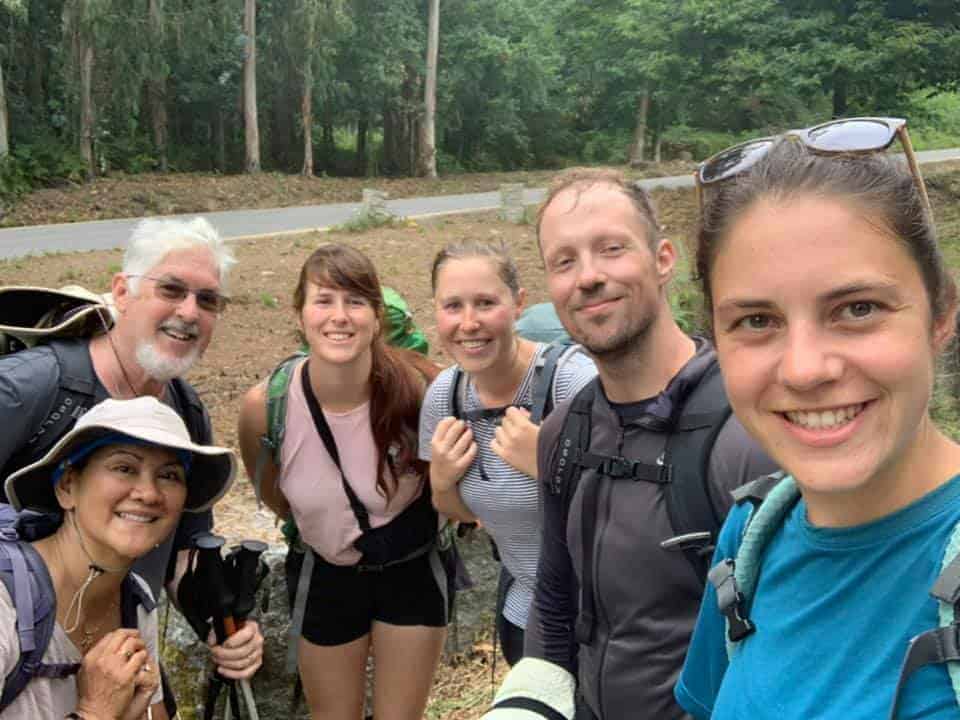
x=475, y=428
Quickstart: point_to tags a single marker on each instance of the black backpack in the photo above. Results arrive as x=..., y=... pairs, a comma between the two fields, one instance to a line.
x=77, y=392
x=682, y=470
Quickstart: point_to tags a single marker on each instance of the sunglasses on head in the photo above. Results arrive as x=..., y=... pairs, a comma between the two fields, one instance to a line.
x=851, y=136
x=176, y=291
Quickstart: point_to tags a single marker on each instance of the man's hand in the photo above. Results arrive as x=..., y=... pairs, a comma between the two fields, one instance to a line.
x=107, y=681
x=453, y=449
x=515, y=441
x=241, y=654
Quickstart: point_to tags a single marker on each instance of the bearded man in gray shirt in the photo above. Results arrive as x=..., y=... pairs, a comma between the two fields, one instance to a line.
x=629, y=469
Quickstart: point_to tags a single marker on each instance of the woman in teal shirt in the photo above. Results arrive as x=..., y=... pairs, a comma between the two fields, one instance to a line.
x=830, y=302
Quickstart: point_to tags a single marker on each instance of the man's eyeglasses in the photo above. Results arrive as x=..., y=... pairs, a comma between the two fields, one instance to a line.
x=851, y=136
x=175, y=292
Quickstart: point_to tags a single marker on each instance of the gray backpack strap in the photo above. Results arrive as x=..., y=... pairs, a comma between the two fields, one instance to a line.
x=940, y=645
x=544, y=383
x=736, y=580
x=299, y=607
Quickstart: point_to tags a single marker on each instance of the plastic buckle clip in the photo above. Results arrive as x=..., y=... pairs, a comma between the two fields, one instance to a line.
x=618, y=467
x=730, y=600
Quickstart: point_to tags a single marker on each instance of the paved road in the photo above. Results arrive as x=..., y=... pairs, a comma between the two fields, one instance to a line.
x=104, y=234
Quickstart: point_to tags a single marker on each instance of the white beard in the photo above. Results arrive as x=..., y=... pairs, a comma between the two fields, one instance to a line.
x=164, y=368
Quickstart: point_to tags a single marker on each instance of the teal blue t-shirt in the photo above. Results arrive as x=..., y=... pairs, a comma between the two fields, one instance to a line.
x=834, y=610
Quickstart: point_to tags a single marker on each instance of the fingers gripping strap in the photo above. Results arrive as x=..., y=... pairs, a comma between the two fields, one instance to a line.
x=299, y=608
x=534, y=689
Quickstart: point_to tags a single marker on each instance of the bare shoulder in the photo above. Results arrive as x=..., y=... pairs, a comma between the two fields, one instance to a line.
x=253, y=409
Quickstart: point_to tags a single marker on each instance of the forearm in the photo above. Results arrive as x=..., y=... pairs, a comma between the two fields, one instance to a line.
x=553, y=613
x=449, y=503
x=273, y=498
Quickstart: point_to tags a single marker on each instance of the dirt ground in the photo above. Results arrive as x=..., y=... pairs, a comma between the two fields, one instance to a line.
x=121, y=196
x=258, y=330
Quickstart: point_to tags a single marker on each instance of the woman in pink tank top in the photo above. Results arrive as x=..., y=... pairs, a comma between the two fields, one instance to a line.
x=366, y=570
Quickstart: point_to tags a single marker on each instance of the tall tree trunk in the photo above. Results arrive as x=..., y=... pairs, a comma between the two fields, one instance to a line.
x=839, y=93
x=157, y=86
x=306, y=113
x=252, y=129
x=306, y=99
x=87, y=112
x=640, y=129
x=428, y=147
x=220, y=134
x=361, y=151
x=4, y=129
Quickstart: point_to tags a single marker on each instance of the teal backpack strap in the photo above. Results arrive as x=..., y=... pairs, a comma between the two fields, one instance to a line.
x=272, y=441
x=940, y=645
x=736, y=580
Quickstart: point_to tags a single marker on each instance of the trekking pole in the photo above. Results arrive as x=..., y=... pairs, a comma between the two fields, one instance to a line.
x=219, y=601
x=246, y=579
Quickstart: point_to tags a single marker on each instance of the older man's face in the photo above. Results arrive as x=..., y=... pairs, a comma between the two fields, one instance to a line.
x=170, y=335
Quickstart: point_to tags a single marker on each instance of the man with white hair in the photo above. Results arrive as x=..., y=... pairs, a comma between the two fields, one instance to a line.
x=168, y=298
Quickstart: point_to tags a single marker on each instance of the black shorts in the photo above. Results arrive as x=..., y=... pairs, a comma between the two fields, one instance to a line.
x=343, y=602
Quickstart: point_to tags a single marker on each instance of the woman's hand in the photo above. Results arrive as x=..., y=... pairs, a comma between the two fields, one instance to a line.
x=515, y=441
x=146, y=683
x=107, y=682
x=452, y=451
x=241, y=654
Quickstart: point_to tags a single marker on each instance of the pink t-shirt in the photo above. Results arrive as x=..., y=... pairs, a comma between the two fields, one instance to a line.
x=311, y=482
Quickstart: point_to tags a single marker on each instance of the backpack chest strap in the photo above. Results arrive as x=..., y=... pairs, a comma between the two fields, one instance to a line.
x=621, y=468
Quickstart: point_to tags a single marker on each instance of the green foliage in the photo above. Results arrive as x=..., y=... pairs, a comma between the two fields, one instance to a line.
x=31, y=166
x=522, y=83
x=368, y=221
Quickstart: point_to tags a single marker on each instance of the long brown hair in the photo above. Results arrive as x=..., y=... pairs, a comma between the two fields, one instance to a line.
x=398, y=378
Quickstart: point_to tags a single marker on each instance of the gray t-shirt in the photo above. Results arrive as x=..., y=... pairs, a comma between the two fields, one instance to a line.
x=504, y=499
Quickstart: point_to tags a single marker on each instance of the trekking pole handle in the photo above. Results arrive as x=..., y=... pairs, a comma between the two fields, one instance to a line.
x=210, y=567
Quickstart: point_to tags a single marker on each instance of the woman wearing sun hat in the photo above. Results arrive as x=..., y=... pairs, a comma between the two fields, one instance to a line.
x=120, y=479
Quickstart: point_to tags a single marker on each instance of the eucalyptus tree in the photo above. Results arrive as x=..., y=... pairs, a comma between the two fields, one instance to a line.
x=428, y=140
x=17, y=12
x=251, y=123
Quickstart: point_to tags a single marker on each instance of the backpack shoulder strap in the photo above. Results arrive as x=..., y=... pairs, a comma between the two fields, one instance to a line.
x=573, y=442
x=545, y=375
x=456, y=393
x=690, y=504
x=573, y=445
x=28, y=582
x=271, y=442
x=195, y=414
x=736, y=580
x=942, y=644
x=77, y=391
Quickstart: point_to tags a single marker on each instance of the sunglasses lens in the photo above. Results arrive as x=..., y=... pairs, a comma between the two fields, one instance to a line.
x=172, y=291
x=734, y=161
x=211, y=301
x=851, y=136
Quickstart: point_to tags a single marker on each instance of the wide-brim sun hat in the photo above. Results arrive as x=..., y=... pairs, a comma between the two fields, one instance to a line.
x=33, y=313
x=145, y=420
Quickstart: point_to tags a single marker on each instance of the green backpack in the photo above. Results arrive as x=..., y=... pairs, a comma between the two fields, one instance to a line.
x=401, y=331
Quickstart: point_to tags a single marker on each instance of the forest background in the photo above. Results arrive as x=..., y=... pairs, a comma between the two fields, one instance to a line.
x=357, y=87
